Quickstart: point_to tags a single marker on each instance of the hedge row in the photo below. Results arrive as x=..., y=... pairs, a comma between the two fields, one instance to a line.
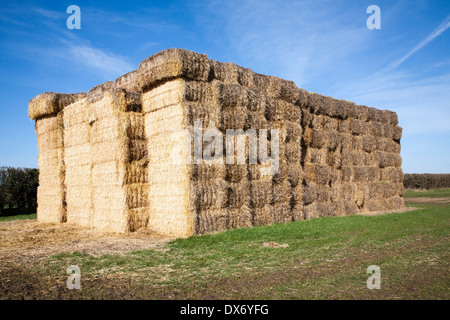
x=426, y=181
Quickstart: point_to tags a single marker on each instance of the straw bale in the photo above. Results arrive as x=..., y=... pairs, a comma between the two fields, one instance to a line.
x=256, y=120
x=310, y=211
x=387, y=131
x=260, y=193
x=281, y=192
x=325, y=209
x=307, y=118
x=49, y=103
x=293, y=152
x=238, y=194
x=212, y=220
x=233, y=118
x=347, y=173
x=211, y=194
x=316, y=156
x=50, y=140
x=173, y=63
x=46, y=124
x=333, y=159
x=375, y=129
x=263, y=216
x=309, y=173
x=318, y=139
x=358, y=127
x=282, y=212
x=98, y=92
x=228, y=73
x=318, y=122
x=137, y=218
x=292, y=112
x=344, y=126
x=275, y=110
x=322, y=174
x=164, y=95
x=297, y=212
x=310, y=193
x=294, y=174
x=239, y=218
x=104, y=174
x=323, y=193
x=397, y=134
x=288, y=91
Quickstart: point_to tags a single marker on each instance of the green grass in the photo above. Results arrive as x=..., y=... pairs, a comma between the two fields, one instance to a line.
x=323, y=254
x=18, y=217
x=435, y=193
x=327, y=258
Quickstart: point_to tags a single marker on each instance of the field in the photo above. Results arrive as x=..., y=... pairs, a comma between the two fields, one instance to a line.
x=323, y=258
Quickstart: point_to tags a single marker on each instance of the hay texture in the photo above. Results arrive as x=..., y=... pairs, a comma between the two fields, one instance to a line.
x=123, y=156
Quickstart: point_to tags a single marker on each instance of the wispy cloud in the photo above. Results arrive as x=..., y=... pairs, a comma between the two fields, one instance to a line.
x=436, y=32
x=100, y=60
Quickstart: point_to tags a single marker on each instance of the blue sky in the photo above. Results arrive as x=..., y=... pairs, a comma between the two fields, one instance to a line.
x=324, y=46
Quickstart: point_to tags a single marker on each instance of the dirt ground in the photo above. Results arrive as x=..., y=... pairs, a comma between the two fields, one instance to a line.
x=427, y=200
x=27, y=240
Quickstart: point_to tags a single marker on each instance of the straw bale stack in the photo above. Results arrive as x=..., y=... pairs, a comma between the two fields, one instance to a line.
x=130, y=153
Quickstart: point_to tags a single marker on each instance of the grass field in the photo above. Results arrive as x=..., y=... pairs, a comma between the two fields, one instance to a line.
x=18, y=217
x=326, y=258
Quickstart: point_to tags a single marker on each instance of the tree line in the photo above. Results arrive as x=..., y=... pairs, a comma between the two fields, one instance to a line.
x=18, y=190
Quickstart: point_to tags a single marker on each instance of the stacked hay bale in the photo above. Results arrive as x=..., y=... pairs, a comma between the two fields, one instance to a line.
x=167, y=147
x=48, y=108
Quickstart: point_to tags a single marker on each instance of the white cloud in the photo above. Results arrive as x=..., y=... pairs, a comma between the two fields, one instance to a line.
x=100, y=60
x=436, y=32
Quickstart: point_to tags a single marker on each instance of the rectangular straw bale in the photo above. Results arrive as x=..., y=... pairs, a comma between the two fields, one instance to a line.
x=78, y=175
x=106, y=173
x=282, y=212
x=333, y=159
x=310, y=211
x=260, y=193
x=205, y=172
x=233, y=118
x=369, y=143
x=292, y=112
x=50, y=140
x=325, y=209
x=49, y=103
x=170, y=64
x=358, y=127
x=211, y=194
x=256, y=121
x=76, y=135
x=397, y=134
x=210, y=116
x=282, y=191
x=375, y=129
x=239, y=217
x=263, y=216
x=137, y=218
x=212, y=220
x=238, y=194
x=310, y=193
x=295, y=174
x=228, y=73
x=46, y=124
x=316, y=156
x=387, y=131
x=323, y=193
x=322, y=174
x=275, y=110
x=293, y=152
x=309, y=173
x=166, y=94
